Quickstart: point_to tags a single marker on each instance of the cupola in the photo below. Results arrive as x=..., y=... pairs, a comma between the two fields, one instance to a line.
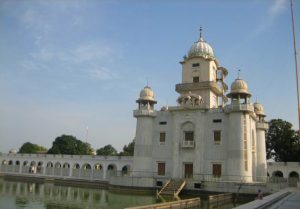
x=239, y=90
x=258, y=109
x=146, y=94
x=201, y=49
x=146, y=99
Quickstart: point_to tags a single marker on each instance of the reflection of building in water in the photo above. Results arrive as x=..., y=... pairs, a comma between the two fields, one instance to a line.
x=71, y=196
x=50, y=193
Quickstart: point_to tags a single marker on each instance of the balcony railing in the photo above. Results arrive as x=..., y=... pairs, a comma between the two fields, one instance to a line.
x=188, y=144
x=239, y=107
x=261, y=125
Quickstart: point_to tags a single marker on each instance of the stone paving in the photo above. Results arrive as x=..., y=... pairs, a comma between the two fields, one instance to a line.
x=288, y=198
x=292, y=201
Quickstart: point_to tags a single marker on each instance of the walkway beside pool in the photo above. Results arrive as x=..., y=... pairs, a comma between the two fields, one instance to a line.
x=286, y=198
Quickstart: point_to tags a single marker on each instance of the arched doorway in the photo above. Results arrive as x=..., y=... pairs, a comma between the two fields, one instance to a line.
x=39, y=168
x=57, y=169
x=86, y=170
x=66, y=169
x=17, y=166
x=76, y=170
x=277, y=177
x=278, y=174
x=98, y=171
x=126, y=170
x=49, y=168
x=293, y=178
x=111, y=170
x=25, y=167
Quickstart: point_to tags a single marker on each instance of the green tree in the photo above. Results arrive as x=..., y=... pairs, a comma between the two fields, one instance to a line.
x=282, y=142
x=28, y=147
x=67, y=144
x=107, y=150
x=128, y=150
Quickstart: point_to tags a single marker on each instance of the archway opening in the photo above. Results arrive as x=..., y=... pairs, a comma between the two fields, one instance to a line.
x=125, y=170
x=66, y=165
x=294, y=174
x=277, y=174
x=98, y=167
x=39, y=167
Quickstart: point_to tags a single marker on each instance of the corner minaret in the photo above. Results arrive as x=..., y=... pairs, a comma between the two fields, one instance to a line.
x=145, y=115
x=239, y=159
x=261, y=127
x=202, y=76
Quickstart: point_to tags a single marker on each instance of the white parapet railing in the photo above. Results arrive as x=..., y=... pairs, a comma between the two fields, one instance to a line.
x=188, y=144
x=182, y=204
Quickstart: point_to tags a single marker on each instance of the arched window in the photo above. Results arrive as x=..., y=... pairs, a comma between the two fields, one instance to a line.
x=188, y=134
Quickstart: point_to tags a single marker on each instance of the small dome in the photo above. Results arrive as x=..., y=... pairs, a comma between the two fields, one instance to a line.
x=164, y=108
x=202, y=49
x=258, y=109
x=146, y=94
x=13, y=151
x=239, y=86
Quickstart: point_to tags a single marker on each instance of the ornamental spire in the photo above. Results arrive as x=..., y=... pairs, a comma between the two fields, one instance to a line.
x=200, y=37
x=200, y=31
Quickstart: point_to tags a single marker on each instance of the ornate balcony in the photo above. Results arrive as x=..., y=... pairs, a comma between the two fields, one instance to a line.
x=137, y=113
x=262, y=125
x=239, y=108
x=185, y=87
x=188, y=144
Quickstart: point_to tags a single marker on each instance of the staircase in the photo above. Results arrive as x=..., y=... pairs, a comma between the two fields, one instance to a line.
x=173, y=187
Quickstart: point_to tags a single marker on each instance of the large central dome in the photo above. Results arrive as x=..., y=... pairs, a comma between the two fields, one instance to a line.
x=202, y=49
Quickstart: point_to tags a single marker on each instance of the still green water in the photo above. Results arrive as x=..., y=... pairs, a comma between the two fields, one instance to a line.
x=24, y=195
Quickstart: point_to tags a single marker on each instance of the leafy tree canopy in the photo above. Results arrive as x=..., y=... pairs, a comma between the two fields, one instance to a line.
x=67, y=144
x=28, y=147
x=128, y=150
x=107, y=150
x=282, y=142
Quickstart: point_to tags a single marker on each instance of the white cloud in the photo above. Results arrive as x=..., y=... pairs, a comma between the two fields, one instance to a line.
x=102, y=73
x=277, y=7
x=275, y=10
x=90, y=60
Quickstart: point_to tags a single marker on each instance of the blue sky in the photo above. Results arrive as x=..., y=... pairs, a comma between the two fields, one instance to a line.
x=68, y=65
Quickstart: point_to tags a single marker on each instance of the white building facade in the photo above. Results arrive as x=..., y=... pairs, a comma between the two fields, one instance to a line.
x=208, y=134
x=211, y=135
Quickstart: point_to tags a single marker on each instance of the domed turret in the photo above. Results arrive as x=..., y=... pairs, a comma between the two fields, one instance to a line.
x=201, y=49
x=259, y=110
x=239, y=86
x=13, y=151
x=146, y=99
x=146, y=94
